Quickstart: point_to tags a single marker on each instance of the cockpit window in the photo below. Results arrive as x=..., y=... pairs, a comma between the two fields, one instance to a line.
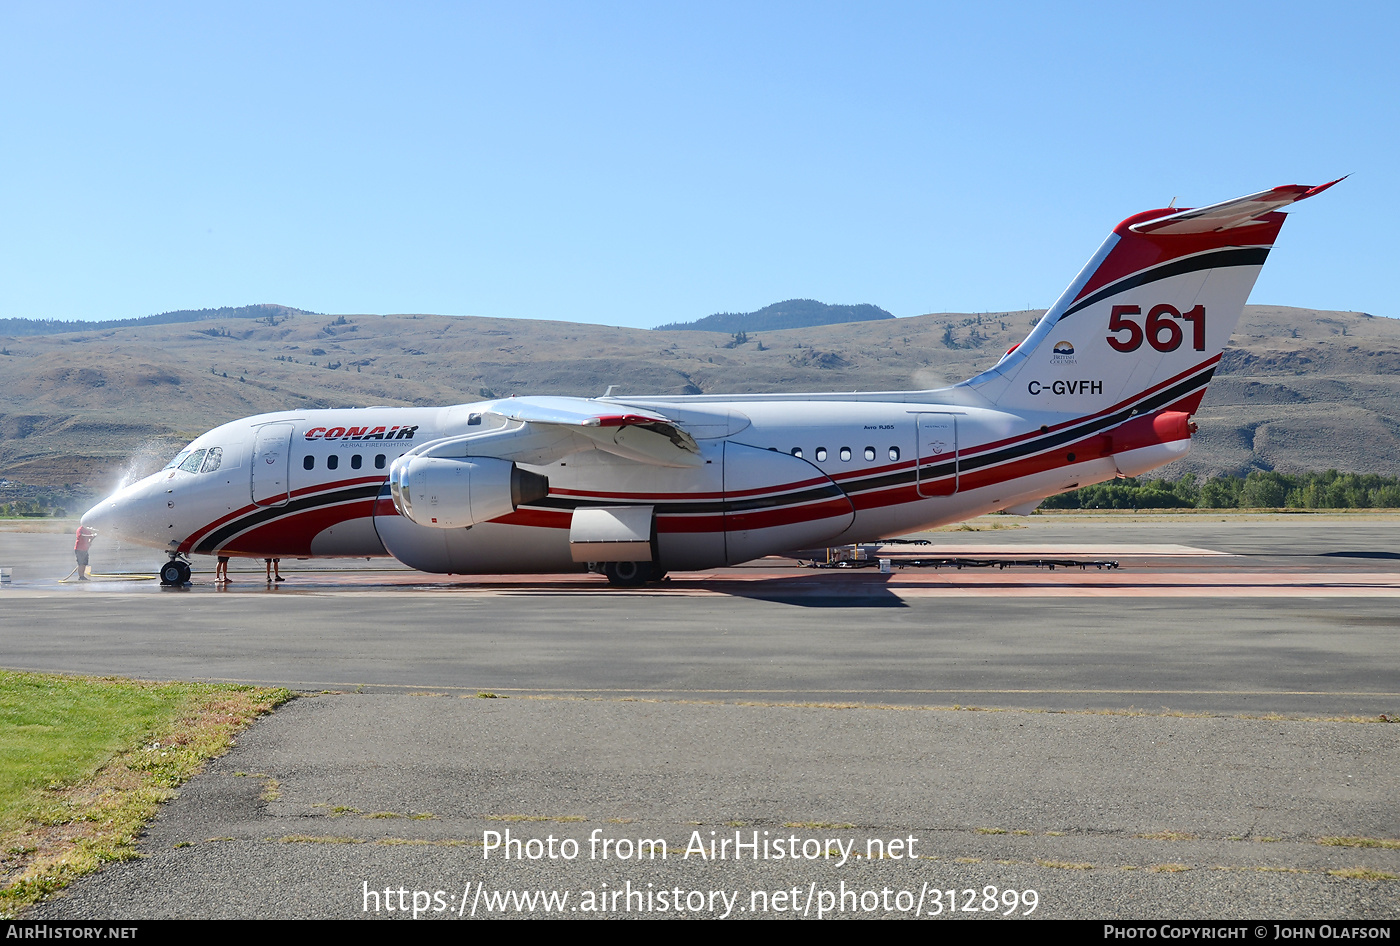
x=191, y=464
x=179, y=458
x=212, y=459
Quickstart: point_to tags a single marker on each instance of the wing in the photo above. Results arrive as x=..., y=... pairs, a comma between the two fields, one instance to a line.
x=542, y=430
x=645, y=436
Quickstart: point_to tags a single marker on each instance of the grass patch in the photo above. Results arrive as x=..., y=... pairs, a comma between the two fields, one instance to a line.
x=85, y=761
x=1167, y=836
x=820, y=825
x=992, y=831
x=558, y=819
x=1364, y=873
x=1065, y=865
x=1385, y=843
x=1169, y=868
x=318, y=839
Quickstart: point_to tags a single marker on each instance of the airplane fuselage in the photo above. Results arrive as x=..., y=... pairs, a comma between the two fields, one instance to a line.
x=779, y=473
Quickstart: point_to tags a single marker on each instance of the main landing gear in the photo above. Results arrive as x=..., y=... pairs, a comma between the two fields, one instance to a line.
x=632, y=574
x=175, y=572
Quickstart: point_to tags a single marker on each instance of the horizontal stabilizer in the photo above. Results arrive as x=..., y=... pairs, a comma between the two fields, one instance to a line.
x=1240, y=212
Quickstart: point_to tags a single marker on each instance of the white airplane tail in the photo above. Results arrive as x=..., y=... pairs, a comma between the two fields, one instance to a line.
x=1142, y=327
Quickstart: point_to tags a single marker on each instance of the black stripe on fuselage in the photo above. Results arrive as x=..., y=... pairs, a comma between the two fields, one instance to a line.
x=1048, y=441
x=926, y=473
x=1058, y=439
x=265, y=514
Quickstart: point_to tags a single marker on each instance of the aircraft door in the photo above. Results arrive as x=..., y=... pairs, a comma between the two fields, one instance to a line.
x=937, y=441
x=272, y=449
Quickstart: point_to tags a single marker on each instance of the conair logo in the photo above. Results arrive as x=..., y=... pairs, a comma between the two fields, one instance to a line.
x=1063, y=348
x=361, y=433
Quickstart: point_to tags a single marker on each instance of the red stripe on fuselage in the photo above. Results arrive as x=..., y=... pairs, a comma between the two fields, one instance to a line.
x=292, y=534
x=195, y=537
x=1086, y=418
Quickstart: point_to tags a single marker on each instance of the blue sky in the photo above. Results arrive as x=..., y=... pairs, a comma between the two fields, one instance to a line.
x=636, y=164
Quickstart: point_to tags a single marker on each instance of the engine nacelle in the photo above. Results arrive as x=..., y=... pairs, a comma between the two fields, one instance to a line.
x=452, y=493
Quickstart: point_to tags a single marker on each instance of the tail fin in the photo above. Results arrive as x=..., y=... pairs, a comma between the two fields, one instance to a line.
x=1148, y=317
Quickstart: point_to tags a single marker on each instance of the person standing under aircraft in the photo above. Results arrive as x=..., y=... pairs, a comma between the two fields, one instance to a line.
x=80, y=550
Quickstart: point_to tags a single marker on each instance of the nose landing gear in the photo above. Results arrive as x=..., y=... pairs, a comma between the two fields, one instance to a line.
x=175, y=572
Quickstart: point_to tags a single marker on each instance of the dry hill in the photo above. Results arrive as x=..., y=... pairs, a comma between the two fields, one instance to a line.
x=1299, y=389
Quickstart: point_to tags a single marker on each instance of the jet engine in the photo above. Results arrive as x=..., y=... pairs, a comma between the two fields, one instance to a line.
x=446, y=493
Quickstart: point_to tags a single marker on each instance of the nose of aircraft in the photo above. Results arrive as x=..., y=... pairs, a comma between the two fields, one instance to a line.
x=106, y=518
x=125, y=514
x=94, y=519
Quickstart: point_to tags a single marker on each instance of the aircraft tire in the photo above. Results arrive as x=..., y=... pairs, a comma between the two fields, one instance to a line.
x=631, y=574
x=174, y=572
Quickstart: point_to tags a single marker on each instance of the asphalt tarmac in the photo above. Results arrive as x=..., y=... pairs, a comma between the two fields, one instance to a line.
x=1159, y=740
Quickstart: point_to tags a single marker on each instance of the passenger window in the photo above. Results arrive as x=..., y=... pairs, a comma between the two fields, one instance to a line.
x=308, y=463
x=846, y=454
x=332, y=462
x=379, y=462
x=473, y=420
x=869, y=454
x=821, y=454
x=355, y=462
x=894, y=453
x=212, y=459
x=191, y=464
x=797, y=452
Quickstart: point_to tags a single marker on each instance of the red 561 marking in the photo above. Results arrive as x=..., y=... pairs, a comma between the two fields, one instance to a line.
x=1161, y=330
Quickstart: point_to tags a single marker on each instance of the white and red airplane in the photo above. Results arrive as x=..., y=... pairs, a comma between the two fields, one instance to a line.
x=633, y=487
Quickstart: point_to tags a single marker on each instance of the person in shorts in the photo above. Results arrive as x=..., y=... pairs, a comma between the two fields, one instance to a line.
x=80, y=550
